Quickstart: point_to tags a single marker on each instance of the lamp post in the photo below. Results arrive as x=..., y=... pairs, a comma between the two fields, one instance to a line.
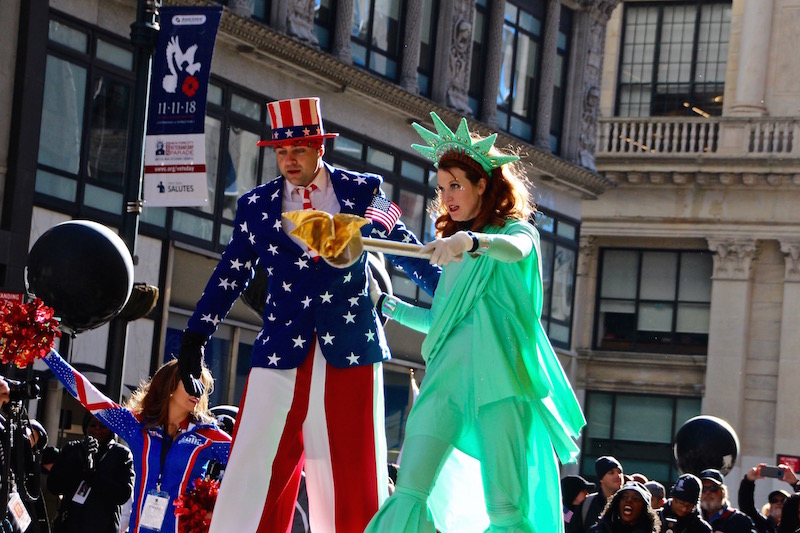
x=144, y=36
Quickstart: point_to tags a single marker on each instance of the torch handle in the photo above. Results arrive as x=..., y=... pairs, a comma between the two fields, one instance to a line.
x=394, y=248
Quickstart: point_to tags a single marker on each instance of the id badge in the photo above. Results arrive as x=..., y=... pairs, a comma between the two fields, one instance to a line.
x=18, y=511
x=154, y=510
x=82, y=493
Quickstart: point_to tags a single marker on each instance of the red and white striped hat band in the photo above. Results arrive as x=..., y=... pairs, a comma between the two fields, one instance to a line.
x=297, y=119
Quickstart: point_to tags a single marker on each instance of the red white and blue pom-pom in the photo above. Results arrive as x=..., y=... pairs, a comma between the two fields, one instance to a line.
x=27, y=332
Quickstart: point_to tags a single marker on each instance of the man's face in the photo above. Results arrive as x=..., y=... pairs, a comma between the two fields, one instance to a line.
x=611, y=481
x=776, y=508
x=580, y=497
x=681, y=508
x=711, y=500
x=299, y=163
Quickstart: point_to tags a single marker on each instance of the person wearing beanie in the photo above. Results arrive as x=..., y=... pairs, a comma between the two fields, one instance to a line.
x=717, y=509
x=609, y=479
x=574, y=489
x=681, y=513
x=628, y=511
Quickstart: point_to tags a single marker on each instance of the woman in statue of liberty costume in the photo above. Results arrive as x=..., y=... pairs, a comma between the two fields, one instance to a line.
x=495, y=399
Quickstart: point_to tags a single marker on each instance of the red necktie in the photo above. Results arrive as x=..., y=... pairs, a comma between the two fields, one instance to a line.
x=307, y=196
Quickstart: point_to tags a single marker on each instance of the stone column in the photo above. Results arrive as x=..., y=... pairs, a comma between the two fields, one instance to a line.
x=787, y=416
x=585, y=288
x=728, y=328
x=544, y=105
x=494, y=59
x=243, y=8
x=300, y=21
x=594, y=24
x=753, y=58
x=340, y=46
x=409, y=77
x=460, y=56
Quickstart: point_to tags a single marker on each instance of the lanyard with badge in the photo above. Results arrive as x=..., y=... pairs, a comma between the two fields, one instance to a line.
x=156, y=502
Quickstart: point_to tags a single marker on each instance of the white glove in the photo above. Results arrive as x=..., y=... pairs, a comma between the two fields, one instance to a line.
x=448, y=249
x=375, y=291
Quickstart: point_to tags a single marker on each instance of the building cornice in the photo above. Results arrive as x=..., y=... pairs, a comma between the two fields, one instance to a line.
x=250, y=37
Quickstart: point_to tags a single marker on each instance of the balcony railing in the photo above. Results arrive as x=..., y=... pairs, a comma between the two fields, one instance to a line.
x=634, y=136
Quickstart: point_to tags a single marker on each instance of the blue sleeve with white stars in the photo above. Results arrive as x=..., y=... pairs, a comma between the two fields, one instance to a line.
x=118, y=419
x=229, y=279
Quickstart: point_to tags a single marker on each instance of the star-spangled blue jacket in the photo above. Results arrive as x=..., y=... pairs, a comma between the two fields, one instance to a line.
x=185, y=461
x=303, y=295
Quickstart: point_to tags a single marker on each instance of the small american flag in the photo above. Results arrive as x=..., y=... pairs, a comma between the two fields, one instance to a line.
x=383, y=211
x=568, y=516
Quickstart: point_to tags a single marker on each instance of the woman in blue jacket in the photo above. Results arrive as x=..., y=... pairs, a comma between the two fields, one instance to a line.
x=171, y=435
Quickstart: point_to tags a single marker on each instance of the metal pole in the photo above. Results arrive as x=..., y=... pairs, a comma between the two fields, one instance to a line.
x=144, y=36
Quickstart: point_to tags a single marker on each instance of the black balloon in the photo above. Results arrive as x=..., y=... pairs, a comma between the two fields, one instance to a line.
x=83, y=270
x=705, y=442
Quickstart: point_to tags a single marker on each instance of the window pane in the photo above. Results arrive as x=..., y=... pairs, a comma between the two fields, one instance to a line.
x=385, y=29
x=616, y=324
x=412, y=171
x=241, y=168
x=524, y=74
x=103, y=199
x=380, y=159
x=561, y=307
x=362, y=12
x=413, y=207
x=68, y=36
x=598, y=416
x=547, y=274
x=545, y=223
x=567, y=230
x=619, y=274
x=213, y=131
x=693, y=318
x=348, y=147
x=111, y=53
x=62, y=115
x=685, y=409
x=695, y=280
x=659, y=273
x=214, y=94
x=56, y=186
x=655, y=317
x=225, y=233
x=246, y=107
x=183, y=222
x=403, y=287
x=643, y=418
x=558, y=333
x=109, y=134
x=155, y=215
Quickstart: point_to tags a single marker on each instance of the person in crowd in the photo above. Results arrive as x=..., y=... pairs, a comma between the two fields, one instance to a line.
x=320, y=344
x=681, y=513
x=171, y=435
x=574, y=489
x=494, y=389
x=628, y=511
x=94, y=477
x=657, y=491
x=640, y=478
x=768, y=521
x=610, y=478
x=790, y=517
x=717, y=509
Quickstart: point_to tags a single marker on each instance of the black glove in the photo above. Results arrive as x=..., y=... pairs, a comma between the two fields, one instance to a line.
x=90, y=446
x=190, y=362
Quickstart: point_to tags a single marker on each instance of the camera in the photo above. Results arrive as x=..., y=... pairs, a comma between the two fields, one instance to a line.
x=772, y=471
x=23, y=390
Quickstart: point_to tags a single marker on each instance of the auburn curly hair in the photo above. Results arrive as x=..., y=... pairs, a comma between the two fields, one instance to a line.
x=151, y=399
x=506, y=194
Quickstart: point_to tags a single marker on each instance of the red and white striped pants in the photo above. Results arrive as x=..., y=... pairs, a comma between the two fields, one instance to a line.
x=327, y=421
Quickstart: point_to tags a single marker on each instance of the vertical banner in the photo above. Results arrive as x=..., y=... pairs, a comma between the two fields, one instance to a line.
x=175, y=150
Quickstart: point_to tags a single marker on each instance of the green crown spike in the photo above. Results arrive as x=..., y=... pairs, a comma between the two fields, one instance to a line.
x=444, y=141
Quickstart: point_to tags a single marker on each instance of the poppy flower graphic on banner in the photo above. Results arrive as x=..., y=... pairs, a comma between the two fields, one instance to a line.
x=190, y=86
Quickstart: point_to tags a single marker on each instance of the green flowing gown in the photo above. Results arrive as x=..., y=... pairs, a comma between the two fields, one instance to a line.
x=485, y=343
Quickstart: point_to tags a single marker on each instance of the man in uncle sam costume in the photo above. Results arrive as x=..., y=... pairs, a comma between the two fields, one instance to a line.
x=314, y=395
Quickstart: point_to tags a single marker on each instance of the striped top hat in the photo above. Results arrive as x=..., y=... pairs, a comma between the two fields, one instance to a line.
x=297, y=119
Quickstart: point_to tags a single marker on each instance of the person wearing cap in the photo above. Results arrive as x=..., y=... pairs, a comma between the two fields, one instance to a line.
x=769, y=521
x=658, y=492
x=717, y=509
x=628, y=511
x=610, y=478
x=314, y=394
x=681, y=513
x=494, y=394
x=574, y=489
